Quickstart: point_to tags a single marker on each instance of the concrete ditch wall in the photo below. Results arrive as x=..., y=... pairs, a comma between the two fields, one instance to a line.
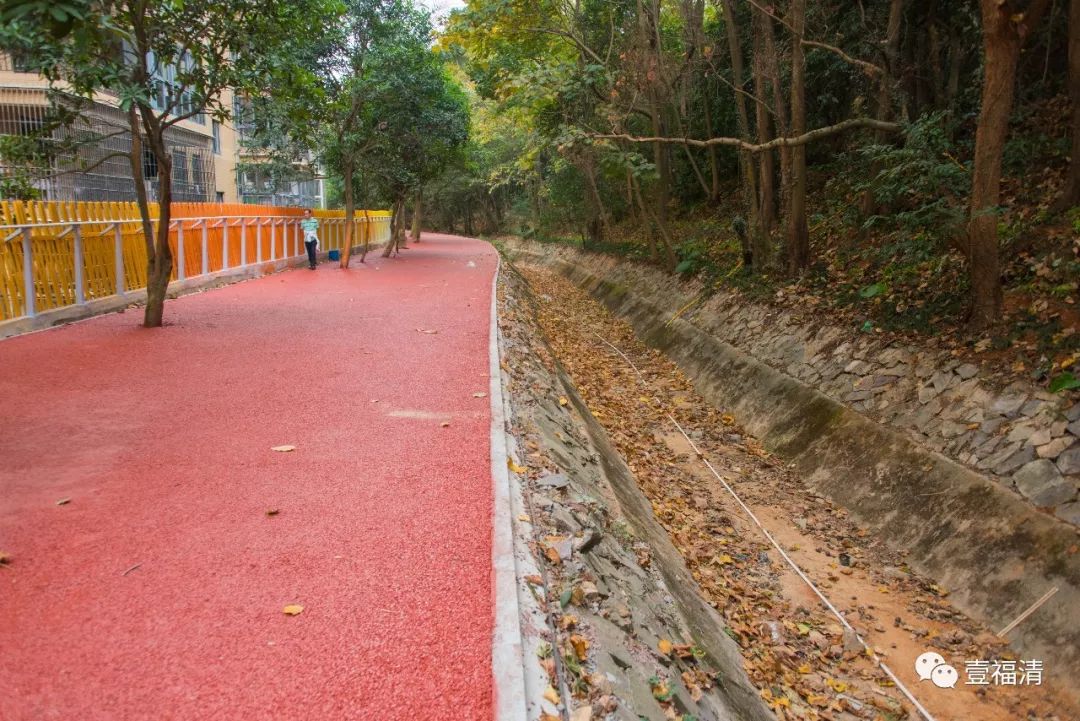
x=986, y=543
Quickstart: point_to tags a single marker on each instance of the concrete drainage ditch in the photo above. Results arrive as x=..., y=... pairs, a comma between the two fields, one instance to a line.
x=629, y=633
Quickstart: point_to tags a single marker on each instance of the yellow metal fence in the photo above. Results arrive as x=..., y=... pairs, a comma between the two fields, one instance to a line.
x=74, y=252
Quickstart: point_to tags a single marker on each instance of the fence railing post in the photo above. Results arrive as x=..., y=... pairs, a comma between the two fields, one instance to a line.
x=225, y=244
x=205, y=246
x=243, y=241
x=181, y=269
x=80, y=265
x=258, y=241
x=29, y=294
x=296, y=238
x=273, y=241
x=118, y=260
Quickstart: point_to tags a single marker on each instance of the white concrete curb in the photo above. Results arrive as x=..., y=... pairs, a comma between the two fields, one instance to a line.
x=507, y=657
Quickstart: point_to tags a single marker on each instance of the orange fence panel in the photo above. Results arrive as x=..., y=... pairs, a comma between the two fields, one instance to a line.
x=110, y=237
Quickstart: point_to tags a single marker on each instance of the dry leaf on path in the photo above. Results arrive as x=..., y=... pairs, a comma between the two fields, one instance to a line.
x=272, y=511
x=293, y=609
x=513, y=466
x=283, y=449
x=664, y=647
x=552, y=695
x=426, y=330
x=5, y=558
x=563, y=400
x=479, y=394
x=63, y=501
x=445, y=424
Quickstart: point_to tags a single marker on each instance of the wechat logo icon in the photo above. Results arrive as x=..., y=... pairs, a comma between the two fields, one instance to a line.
x=931, y=666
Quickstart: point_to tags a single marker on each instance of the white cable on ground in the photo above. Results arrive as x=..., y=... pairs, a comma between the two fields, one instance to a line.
x=794, y=566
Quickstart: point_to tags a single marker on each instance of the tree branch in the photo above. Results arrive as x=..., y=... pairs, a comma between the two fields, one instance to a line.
x=803, y=139
x=869, y=67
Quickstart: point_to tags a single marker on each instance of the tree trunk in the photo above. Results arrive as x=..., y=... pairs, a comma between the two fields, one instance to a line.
x=597, y=214
x=1002, y=39
x=798, y=233
x=1071, y=194
x=714, y=161
x=350, y=215
x=757, y=250
x=766, y=167
x=418, y=208
x=397, y=228
x=780, y=116
x=868, y=204
x=160, y=261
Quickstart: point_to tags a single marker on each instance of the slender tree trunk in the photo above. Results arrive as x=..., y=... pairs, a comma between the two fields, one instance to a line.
x=956, y=65
x=766, y=169
x=714, y=160
x=1071, y=194
x=350, y=215
x=650, y=236
x=417, y=220
x=798, y=233
x=597, y=214
x=1003, y=38
x=868, y=204
x=758, y=249
x=397, y=227
x=160, y=262
x=780, y=115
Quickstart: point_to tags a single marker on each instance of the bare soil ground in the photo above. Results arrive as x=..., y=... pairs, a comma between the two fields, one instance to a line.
x=795, y=650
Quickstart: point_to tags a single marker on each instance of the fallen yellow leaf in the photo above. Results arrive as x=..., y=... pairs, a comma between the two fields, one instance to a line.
x=513, y=466
x=581, y=646
x=563, y=401
x=664, y=646
x=293, y=609
x=552, y=695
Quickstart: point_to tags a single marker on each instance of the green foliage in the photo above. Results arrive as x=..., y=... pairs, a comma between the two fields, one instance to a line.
x=920, y=182
x=1064, y=382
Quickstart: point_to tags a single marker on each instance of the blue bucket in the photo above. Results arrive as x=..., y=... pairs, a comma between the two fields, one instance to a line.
x=334, y=255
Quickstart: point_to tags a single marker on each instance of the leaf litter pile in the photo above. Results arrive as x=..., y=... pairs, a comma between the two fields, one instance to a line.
x=795, y=651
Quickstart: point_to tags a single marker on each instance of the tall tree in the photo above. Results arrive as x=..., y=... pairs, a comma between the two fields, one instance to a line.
x=1005, y=29
x=1070, y=196
x=798, y=233
x=165, y=62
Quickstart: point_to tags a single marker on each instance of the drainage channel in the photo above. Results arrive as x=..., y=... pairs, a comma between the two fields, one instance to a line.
x=590, y=400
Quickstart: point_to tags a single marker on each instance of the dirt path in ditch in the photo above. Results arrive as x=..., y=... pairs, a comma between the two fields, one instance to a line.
x=795, y=650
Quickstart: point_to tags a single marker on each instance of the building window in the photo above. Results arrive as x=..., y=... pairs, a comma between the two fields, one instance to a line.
x=221, y=196
x=149, y=165
x=216, y=129
x=180, y=169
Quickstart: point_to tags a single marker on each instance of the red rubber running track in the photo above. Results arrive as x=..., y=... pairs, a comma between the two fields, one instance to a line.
x=161, y=439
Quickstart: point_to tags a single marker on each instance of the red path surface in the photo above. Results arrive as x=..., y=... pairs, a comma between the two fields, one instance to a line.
x=161, y=439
